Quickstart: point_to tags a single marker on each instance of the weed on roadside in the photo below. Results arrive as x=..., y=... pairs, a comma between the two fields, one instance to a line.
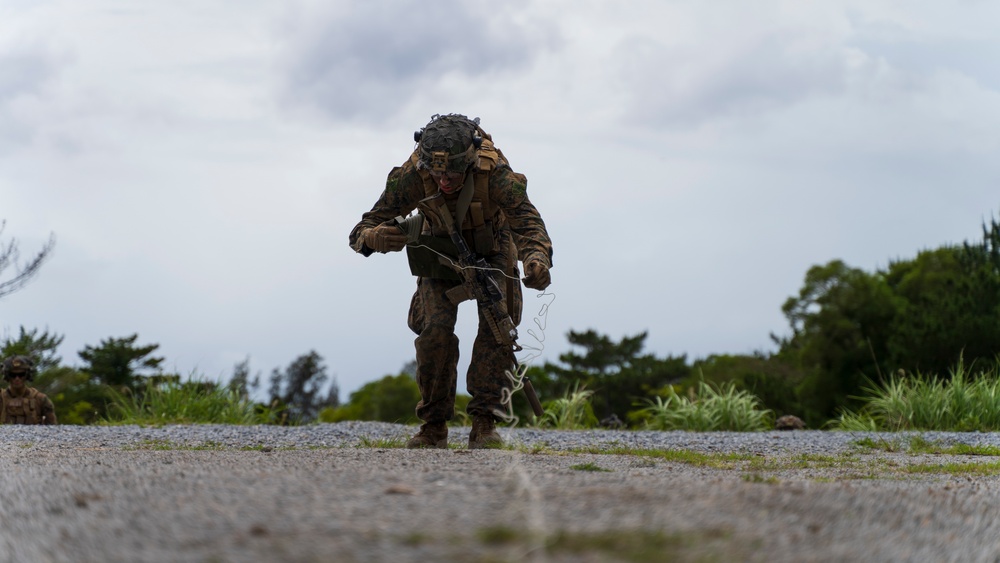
x=589, y=466
x=381, y=443
x=975, y=469
x=920, y=445
x=758, y=478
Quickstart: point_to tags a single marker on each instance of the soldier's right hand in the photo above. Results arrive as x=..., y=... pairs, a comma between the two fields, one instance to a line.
x=536, y=275
x=385, y=238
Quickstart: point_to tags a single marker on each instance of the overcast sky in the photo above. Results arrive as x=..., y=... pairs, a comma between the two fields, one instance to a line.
x=201, y=163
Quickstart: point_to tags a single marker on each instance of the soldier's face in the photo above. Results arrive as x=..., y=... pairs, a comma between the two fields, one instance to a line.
x=448, y=182
x=17, y=380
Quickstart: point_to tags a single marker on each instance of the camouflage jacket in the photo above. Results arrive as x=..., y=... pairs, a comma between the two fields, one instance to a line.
x=34, y=407
x=506, y=192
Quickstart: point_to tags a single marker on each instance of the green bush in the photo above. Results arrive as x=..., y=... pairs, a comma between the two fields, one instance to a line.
x=772, y=379
x=727, y=408
x=572, y=411
x=391, y=399
x=77, y=399
x=189, y=402
x=962, y=402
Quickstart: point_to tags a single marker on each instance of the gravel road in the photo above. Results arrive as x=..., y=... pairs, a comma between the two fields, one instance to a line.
x=343, y=492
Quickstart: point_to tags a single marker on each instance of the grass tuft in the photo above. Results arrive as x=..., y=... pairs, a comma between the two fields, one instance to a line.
x=381, y=443
x=160, y=444
x=189, y=402
x=570, y=412
x=962, y=402
x=710, y=409
x=589, y=466
x=758, y=478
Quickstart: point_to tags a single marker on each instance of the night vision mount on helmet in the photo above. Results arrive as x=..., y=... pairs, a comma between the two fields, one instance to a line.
x=448, y=143
x=19, y=365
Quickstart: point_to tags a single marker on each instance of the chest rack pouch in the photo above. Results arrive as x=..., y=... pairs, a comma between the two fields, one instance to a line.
x=424, y=252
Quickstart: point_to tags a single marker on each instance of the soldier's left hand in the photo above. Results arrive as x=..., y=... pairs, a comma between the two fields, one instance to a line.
x=536, y=275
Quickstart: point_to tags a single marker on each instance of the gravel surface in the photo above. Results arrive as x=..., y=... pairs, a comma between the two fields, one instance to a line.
x=344, y=492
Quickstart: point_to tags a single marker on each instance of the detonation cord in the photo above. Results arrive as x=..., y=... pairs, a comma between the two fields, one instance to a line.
x=524, y=490
x=534, y=351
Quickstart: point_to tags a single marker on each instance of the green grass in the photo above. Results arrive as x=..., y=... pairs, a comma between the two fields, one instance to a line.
x=158, y=444
x=966, y=449
x=802, y=461
x=851, y=465
x=636, y=546
x=953, y=468
x=962, y=402
x=710, y=409
x=381, y=443
x=715, y=460
x=589, y=466
x=573, y=411
x=758, y=478
x=920, y=445
x=495, y=535
x=190, y=402
x=265, y=449
x=892, y=445
x=754, y=468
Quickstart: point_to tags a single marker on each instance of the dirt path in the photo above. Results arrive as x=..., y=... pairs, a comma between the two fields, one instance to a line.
x=369, y=504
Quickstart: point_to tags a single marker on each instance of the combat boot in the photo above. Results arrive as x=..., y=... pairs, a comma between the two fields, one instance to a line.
x=431, y=435
x=484, y=433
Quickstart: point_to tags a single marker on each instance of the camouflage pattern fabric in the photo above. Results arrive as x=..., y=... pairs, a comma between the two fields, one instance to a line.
x=437, y=357
x=507, y=191
x=34, y=407
x=452, y=135
x=432, y=316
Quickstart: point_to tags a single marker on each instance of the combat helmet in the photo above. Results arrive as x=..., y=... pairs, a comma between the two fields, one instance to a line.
x=448, y=144
x=19, y=364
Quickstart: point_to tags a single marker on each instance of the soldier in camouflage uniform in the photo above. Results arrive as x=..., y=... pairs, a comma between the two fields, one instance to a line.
x=20, y=404
x=456, y=161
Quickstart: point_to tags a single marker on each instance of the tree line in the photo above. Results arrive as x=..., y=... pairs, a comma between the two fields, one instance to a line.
x=122, y=367
x=849, y=330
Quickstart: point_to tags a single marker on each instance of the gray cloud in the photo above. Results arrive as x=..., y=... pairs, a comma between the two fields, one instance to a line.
x=358, y=64
x=678, y=87
x=23, y=75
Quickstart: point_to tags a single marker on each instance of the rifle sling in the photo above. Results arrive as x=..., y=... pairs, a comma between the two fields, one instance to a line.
x=461, y=293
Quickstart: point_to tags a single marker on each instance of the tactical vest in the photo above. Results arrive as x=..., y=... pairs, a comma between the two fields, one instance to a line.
x=21, y=410
x=483, y=220
x=484, y=229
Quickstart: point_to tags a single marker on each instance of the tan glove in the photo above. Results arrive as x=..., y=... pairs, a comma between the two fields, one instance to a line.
x=384, y=238
x=536, y=275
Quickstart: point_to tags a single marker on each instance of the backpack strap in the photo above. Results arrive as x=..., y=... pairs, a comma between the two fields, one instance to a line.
x=464, y=199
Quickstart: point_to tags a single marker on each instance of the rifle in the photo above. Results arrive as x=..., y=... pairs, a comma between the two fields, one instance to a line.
x=478, y=283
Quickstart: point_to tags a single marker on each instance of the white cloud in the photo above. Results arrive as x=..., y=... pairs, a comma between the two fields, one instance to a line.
x=360, y=61
x=25, y=72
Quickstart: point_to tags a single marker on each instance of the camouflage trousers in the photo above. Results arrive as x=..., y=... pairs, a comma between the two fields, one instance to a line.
x=432, y=317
